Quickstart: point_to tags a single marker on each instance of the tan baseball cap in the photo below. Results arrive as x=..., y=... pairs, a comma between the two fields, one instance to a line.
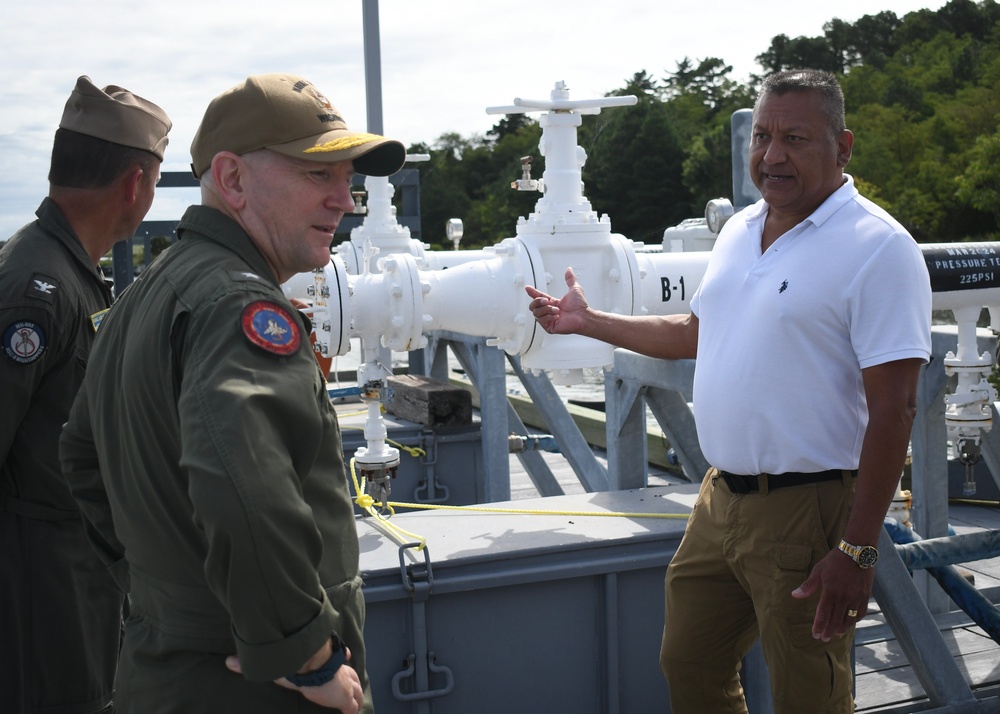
x=287, y=114
x=115, y=114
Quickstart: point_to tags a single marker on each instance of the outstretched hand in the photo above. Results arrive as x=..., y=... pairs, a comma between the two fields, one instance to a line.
x=343, y=692
x=562, y=316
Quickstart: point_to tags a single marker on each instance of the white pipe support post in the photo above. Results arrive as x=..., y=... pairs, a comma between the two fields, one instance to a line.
x=965, y=277
x=968, y=410
x=377, y=461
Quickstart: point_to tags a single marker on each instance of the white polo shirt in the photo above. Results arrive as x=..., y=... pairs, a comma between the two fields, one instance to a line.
x=783, y=336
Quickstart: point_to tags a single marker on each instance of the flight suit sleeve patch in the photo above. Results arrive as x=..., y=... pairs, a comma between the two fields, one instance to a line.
x=271, y=327
x=24, y=342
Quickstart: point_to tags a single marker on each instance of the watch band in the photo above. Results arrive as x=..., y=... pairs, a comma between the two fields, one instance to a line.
x=864, y=555
x=319, y=677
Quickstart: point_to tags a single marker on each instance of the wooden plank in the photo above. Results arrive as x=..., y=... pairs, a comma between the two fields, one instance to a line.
x=876, y=691
x=428, y=401
x=883, y=655
x=899, y=685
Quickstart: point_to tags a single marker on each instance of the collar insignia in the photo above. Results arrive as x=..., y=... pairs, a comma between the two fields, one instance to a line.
x=44, y=287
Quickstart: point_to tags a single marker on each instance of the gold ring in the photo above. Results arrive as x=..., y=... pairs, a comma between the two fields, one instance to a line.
x=852, y=613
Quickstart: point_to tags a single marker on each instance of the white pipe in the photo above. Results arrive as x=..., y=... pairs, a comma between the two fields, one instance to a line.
x=394, y=302
x=400, y=300
x=485, y=298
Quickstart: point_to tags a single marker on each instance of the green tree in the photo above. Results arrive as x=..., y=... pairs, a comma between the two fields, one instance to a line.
x=444, y=191
x=917, y=115
x=510, y=124
x=839, y=37
x=635, y=170
x=698, y=95
x=923, y=98
x=979, y=185
x=470, y=179
x=875, y=38
x=708, y=84
x=708, y=167
x=799, y=53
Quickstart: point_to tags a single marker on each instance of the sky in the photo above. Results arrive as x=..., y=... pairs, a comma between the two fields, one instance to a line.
x=442, y=63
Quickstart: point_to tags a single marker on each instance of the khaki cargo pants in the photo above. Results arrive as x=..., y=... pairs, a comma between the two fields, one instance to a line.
x=731, y=581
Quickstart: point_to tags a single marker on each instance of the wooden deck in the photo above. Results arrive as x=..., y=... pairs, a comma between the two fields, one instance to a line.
x=886, y=682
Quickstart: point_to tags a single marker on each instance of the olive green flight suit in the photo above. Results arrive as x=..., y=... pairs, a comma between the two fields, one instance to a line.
x=207, y=463
x=60, y=611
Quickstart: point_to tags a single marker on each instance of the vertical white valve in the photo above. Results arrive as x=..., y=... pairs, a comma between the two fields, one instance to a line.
x=968, y=411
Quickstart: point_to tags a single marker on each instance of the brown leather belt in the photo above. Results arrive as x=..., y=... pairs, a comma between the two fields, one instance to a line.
x=739, y=483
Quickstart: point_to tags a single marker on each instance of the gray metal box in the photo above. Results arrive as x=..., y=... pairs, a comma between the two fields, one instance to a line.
x=450, y=471
x=561, y=612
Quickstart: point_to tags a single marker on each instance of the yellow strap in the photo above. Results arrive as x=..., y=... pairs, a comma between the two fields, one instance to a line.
x=538, y=512
x=367, y=503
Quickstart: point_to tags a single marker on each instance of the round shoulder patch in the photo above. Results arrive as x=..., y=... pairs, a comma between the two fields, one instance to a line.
x=270, y=327
x=24, y=342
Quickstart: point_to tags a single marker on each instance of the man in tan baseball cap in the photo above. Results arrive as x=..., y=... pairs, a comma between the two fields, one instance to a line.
x=289, y=115
x=60, y=609
x=249, y=548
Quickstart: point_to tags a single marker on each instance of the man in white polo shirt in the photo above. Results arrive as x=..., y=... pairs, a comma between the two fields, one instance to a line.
x=809, y=328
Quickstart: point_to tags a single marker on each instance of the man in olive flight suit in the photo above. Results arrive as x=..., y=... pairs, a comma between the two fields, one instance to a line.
x=60, y=611
x=224, y=500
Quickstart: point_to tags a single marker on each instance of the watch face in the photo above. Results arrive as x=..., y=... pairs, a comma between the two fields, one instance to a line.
x=867, y=557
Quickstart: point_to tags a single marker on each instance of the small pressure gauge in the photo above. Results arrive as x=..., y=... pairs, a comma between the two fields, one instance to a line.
x=454, y=229
x=717, y=212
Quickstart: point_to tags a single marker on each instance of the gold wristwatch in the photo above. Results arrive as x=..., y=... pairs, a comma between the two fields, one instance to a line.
x=864, y=555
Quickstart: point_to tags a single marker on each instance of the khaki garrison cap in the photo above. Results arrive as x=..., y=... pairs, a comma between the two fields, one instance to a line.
x=287, y=114
x=116, y=115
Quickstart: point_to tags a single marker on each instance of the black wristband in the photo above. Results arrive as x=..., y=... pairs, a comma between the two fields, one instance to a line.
x=319, y=677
